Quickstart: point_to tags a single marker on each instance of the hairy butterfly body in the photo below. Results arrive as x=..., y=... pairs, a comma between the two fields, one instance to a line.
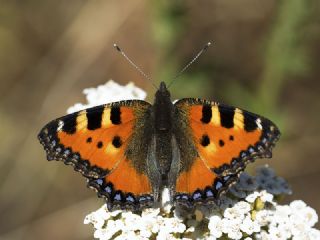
x=130, y=150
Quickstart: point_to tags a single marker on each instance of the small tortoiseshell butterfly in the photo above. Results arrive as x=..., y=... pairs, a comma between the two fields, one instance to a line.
x=130, y=150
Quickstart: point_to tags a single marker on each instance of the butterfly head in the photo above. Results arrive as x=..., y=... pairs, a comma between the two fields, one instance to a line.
x=163, y=92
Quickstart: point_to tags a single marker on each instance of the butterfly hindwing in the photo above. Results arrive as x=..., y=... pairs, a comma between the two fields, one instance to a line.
x=96, y=142
x=224, y=139
x=200, y=185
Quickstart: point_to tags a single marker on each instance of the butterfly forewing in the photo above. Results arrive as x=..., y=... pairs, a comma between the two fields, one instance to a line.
x=95, y=142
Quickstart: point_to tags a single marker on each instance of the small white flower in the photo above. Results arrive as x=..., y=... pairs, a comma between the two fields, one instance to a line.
x=173, y=225
x=281, y=214
x=265, y=196
x=252, y=197
x=243, y=207
x=145, y=234
x=309, y=215
x=114, y=213
x=285, y=228
x=112, y=226
x=150, y=212
x=165, y=236
x=232, y=228
x=301, y=236
x=263, y=235
x=155, y=228
x=263, y=217
x=302, y=216
x=102, y=234
x=131, y=220
x=190, y=229
x=314, y=234
x=95, y=219
x=248, y=226
x=215, y=226
x=297, y=205
x=298, y=227
x=129, y=235
x=233, y=213
x=276, y=233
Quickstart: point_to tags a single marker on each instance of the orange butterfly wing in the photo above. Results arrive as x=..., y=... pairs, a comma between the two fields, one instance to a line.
x=95, y=142
x=225, y=139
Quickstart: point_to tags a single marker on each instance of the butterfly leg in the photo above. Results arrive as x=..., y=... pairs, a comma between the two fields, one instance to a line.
x=175, y=167
x=153, y=170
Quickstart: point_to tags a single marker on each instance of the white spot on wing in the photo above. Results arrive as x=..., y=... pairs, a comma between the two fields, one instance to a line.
x=258, y=122
x=60, y=125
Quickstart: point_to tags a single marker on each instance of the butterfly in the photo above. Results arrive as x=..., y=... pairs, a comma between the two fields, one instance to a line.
x=129, y=151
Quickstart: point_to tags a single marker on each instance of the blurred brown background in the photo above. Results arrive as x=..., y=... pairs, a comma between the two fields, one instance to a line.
x=265, y=59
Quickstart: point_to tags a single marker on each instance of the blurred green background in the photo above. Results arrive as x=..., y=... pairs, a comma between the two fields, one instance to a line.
x=265, y=58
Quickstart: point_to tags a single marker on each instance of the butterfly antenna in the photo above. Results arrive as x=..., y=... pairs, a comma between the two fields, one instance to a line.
x=192, y=61
x=133, y=64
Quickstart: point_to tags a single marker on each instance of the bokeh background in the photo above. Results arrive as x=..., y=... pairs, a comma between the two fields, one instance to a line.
x=265, y=58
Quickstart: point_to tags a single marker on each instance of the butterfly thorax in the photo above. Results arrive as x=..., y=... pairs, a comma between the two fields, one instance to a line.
x=163, y=111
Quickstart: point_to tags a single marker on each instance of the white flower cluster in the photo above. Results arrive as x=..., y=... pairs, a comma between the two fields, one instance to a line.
x=248, y=211
x=107, y=93
x=127, y=225
x=258, y=217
